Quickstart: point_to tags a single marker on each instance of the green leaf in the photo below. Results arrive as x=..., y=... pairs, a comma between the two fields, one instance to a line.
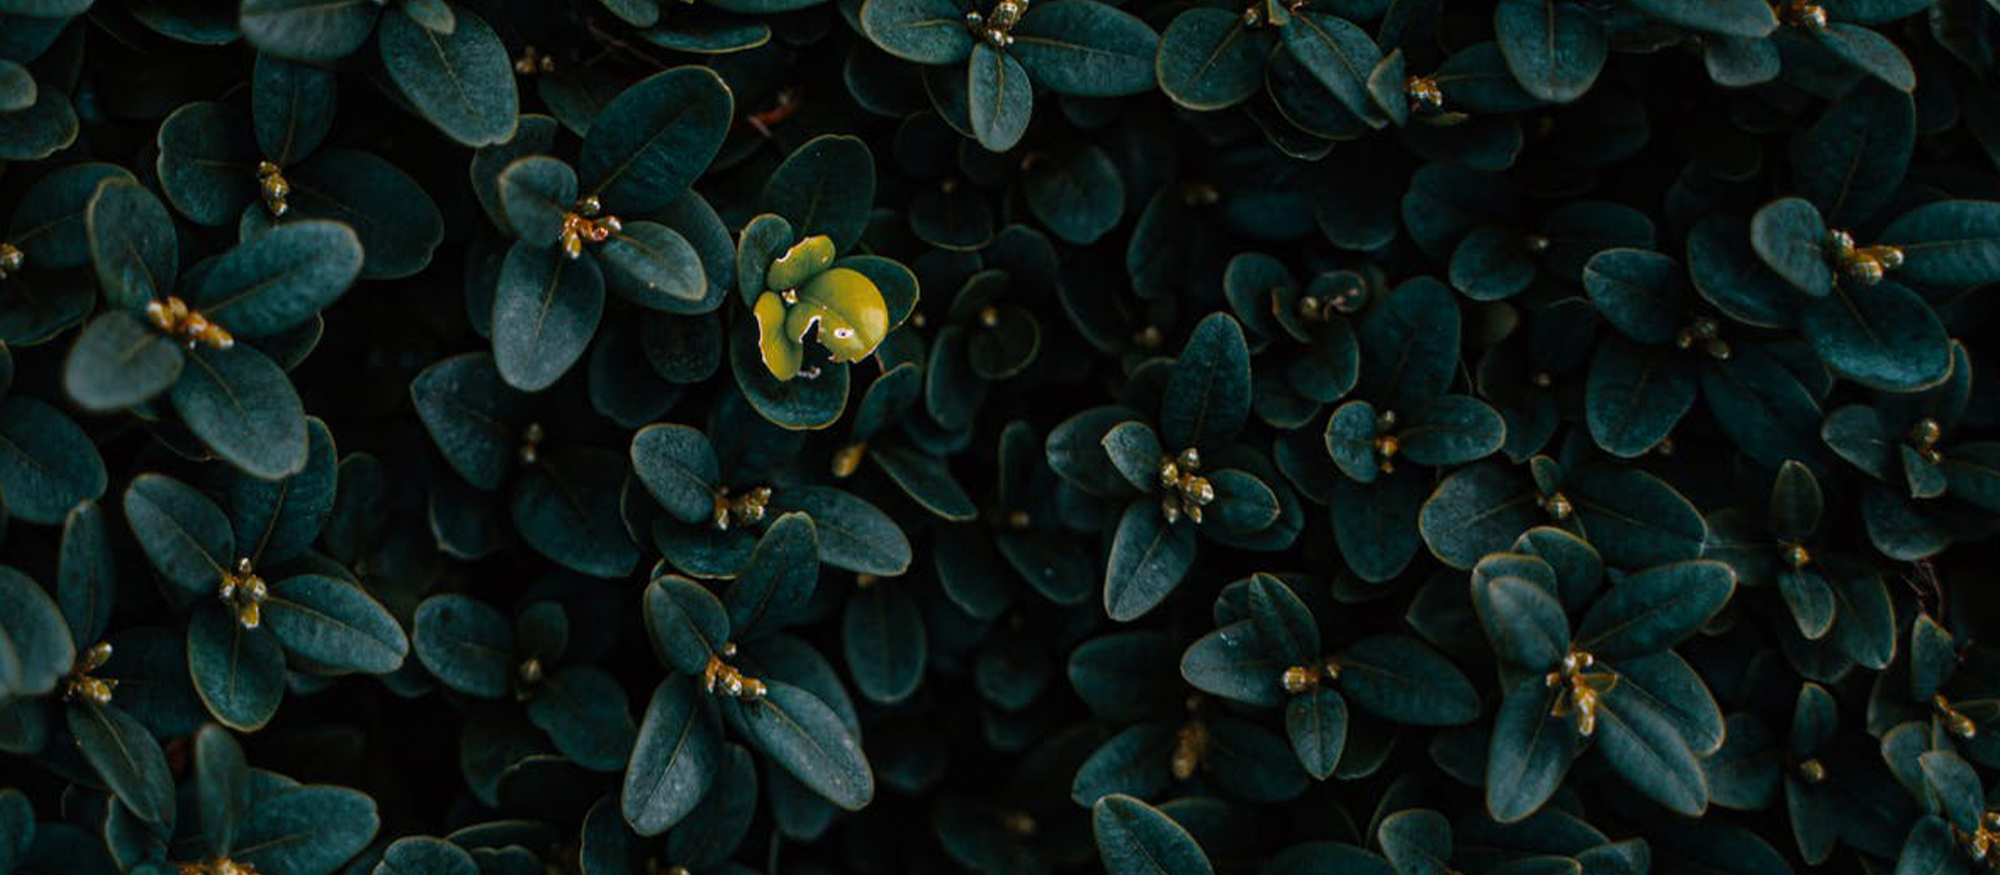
x=50, y=219
x=127, y=759
x=678, y=466
x=308, y=30
x=17, y=87
x=35, y=645
x=47, y=463
x=41, y=130
x=118, y=362
x=1529, y=755
x=1085, y=48
x=1134, y=838
x=335, y=623
x=222, y=786
x=1233, y=663
x=1645, y=750
x=853, y=534
x=1375, y=525
x=1077, y=193
x=184, y=534
x=1640, y=293
x=1475, y=511
x=1523, y=619
x=650, y=142
x=1849, y=163
x=239, y=673
x=1655, y=609
x=281, y=519
x=567, y=507
x=999, y=98
x=208, y=161
x=1285, y=626
x=423, y=855
x=1316, y=723
x=883, y=638
x=278, y=279
x=688, y=625
x=1792, y=239
x=923, y=31
x=291, y=107
x=461, y=82
x=1453, y=430
x=927, y=481
x=1554, y=49
x=244, y=408
x=778, y=581
x=1951, y=244
x=1398, y=678
x=674, y=760
x=87, y=573
x=466, y=644
x=1149, y=557
x=1882, y=336
x=306, y=830
x=584, y=711
x=1409, y=346
x=1209, y=60
x=1207, y=396
x=1634, y=518
x=825, y=187
x=805, y=738
x=536, y=195
x=1745, y=18
x=545, y=311
x=132, y=245
x=1338, y=54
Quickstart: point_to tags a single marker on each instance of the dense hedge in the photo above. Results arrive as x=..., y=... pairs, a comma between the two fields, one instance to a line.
x=1327, y=437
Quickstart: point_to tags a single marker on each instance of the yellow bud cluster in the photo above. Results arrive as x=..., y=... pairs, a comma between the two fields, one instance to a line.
x=272, y=185
x=1863, y=264
x=740, y=509
x=1186, y=492
x=1955, y=720
x=245, y=593
x=173, y=318
x=585, y=225
x=11, y=259
x=721, y=676
x=1301, y=678
x=1579, y=690
x=80, y=684
x=996, y=28
x=1189, y=745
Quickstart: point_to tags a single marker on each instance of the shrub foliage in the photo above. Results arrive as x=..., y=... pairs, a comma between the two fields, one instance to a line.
x=1316, y=437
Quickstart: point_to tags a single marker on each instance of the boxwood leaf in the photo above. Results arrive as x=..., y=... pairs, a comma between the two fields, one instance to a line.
x=1316, y=723
x=184, y=534
x=47, y=463
x=239, y=673
x=123, y=754
x=221, y=785
x=1634, y=396
x=278, y=279
x=1850, y=162
x=1453, y=430
x=307, y=830
x=1209, y=60
x=853, y=534
x=308, y=30
x=35, y=646
x=1397, y=678
x=467, y=644
x=335, y=623
x=1475, y=511
x=1207, y=396
x=678, y=466
x=1340, y=55
x=536, y=193
x=545, y=311
x=1409, y=346
x=86, y=573
x=674, y=760
x=1726, y=17
x=1086, y=48
x=1375, y=524
x=566, y=506
x=423, y=855
x=883, y=639
x=687, y=623
x=208, y=161
x=1655, y=609
x=805, y=738
x=1530, y=753
x=1232, y=663
x=1634, y=518
x=1523, y=620
x=778, y=580
x=17, y=87
x=1077, y=193
x=1134, y=838
x=1882, y=336
x=1149, y=557
x=651, y=141
x=584, y=711
x=923, y=31
x=1952, y=244
x=999, y=98
x=1554, y=49
x=1643, y=747
x=462, y=82
x=653, y=266
x=825, y=187
x=132, y=244
x=291, y=107
x=243, y=407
